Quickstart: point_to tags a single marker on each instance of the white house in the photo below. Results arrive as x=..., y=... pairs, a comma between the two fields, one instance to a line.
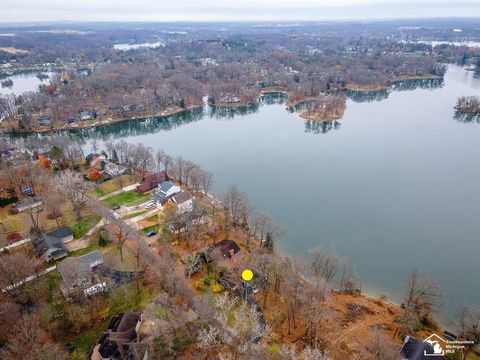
x=115, y=170
x=167, y=189
x=164, y=192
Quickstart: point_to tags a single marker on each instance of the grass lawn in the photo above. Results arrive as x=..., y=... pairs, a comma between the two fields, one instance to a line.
x=135, y=214
x=115, y=184
x=12, y=223
x=91, y=247
x=129, y=262
x=148, y=228
x=129, y=198
x=86, y=223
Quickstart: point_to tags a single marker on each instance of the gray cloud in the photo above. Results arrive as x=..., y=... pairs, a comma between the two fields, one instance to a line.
x=205, y=10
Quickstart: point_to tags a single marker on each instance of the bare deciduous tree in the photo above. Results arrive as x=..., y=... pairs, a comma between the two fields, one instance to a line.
x=469, y=328
x=422, y=298
x=236, y=205
x=324, y=266
x=29, y=341
x=73, y=188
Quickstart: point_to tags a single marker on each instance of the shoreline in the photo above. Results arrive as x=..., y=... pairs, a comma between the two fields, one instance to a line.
x=167, y=113
x=318, y=117
x=108, y=121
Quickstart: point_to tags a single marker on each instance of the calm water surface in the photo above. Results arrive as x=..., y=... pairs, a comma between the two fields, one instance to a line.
x=394, y=185
x=24, y=82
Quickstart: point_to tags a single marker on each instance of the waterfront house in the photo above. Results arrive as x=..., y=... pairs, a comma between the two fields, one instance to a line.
x=164, y=192
x=167, y=189
x=151, y=181
x=44, y=122
x=183, y=201
x=224, y=249
x=416, y=349
x=115, y=170
x=86, y=115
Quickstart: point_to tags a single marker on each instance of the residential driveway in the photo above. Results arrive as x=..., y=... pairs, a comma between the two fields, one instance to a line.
x=134, y=221
x=113, y=193
x=85, y=240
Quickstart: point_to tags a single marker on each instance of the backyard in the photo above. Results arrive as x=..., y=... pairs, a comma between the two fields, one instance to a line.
x=115, y=184
x=128, y=198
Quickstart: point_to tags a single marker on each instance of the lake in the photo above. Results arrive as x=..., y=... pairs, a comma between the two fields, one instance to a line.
x=147, y=45
x=24, y=82
x=393, y=186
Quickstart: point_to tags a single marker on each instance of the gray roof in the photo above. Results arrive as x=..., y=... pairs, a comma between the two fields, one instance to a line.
x=44, y=242
x=77, y=270
x=115, y=168
x=181, y=197
x=161, y=198
x=165, y=186
x=61, y=232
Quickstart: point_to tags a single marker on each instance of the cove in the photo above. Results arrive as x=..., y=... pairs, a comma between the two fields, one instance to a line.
x=393, y=185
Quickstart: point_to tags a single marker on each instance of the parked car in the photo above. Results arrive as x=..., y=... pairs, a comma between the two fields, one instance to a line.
x=114, y=214
x=151, y=233
x=149, y=205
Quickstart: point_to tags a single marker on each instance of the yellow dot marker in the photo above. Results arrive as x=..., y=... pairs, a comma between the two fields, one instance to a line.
x=247, y=274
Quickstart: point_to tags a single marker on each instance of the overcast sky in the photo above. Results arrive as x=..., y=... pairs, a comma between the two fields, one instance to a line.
x=220, y=10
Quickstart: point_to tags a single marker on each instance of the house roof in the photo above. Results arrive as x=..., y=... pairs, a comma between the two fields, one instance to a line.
x=44, y=243
x=225, y=246
x=91, y=156
x=115, y=168
x=151, y=181
x=414, y=349
x=161, y=198
x=165, y=186
x=78, y=269
x=61, y=232
x=120, y=336
x=182, y=197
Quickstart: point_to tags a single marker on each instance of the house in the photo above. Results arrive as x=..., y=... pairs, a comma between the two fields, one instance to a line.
x=29, y=203
x=416, y=349
x=90, y=157
x=183, y=201
x=120, y=341
x=151, y=181
x=229, y=99
x=167, y=188
x=77, y=274
x=86, y=115
x=44, y=122
x=225, y=248
x=164, y=192
x=51, y=246
x=115, y=170
x=94, y=159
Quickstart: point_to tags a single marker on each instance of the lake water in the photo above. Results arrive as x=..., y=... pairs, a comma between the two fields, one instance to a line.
x=24, y=82
x=147, y=45
x=456, y=43
x=393, y=185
